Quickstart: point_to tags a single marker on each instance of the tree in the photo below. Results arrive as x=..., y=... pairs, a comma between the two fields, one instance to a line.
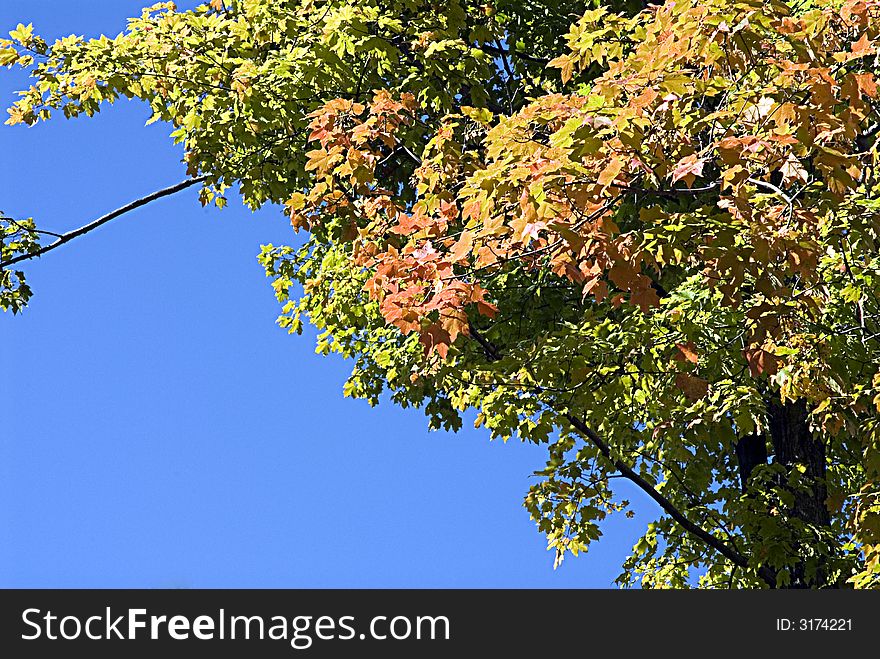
x=653, y=249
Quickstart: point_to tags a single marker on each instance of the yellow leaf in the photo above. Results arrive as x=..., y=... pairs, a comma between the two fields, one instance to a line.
x=612, y=169
x=480, y=115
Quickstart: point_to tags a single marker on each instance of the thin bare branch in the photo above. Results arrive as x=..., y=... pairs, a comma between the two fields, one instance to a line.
x=91, y=226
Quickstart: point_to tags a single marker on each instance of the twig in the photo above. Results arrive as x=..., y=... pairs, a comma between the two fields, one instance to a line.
x=778, y=191
x=91, y=226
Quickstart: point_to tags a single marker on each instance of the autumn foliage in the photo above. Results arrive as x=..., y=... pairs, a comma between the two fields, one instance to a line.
x=655, y=251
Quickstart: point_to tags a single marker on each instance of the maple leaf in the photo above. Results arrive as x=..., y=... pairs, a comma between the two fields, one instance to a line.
x=471, y=210
x=863, y=46
x=566, y=64
x=646, y=98
x=434, y=337
x=462, y=247
x=454, y=321
x=686, y=352
x=688, y=169
x=760, y=361
x=645, y=298
x=693, y=387
x=610, y=172
x=487, y=309
x=866, y=83
x=792, y=170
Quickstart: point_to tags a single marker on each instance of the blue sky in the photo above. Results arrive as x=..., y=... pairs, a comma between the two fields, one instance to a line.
x=159, y=430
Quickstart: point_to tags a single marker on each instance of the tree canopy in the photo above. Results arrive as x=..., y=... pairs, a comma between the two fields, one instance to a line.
x=644, y=236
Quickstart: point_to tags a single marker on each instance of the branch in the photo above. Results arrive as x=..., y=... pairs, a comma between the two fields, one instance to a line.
x=671, y=193
x=504, y=62
x=495, y=50
x=25, y=229
x=775, y=190
x=493, y=354
x=864, y=138
x=489, y=348
x=658, y=287
x=70, y=235
x=733, y=556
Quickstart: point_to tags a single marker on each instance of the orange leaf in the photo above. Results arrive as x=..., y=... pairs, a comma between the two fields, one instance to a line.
x=612, y=169
x=471, y=210
x=462, y=247
x=688, y=168
x=686, y=352
x=863, y=46
x=434, y=337
x=644, y=99
x=566, y=64
x=693, y=387
x=866, y=84
x=454, y=321
x=760, y=361
x=645, y=298
x=487, y=309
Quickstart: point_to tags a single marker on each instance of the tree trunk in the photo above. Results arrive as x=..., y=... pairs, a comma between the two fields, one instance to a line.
x=751, y=451
x=794, y=444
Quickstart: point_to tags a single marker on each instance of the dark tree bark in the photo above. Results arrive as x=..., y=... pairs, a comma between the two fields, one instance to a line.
x=794, y=444
x=751, y=451
x=791, y=443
